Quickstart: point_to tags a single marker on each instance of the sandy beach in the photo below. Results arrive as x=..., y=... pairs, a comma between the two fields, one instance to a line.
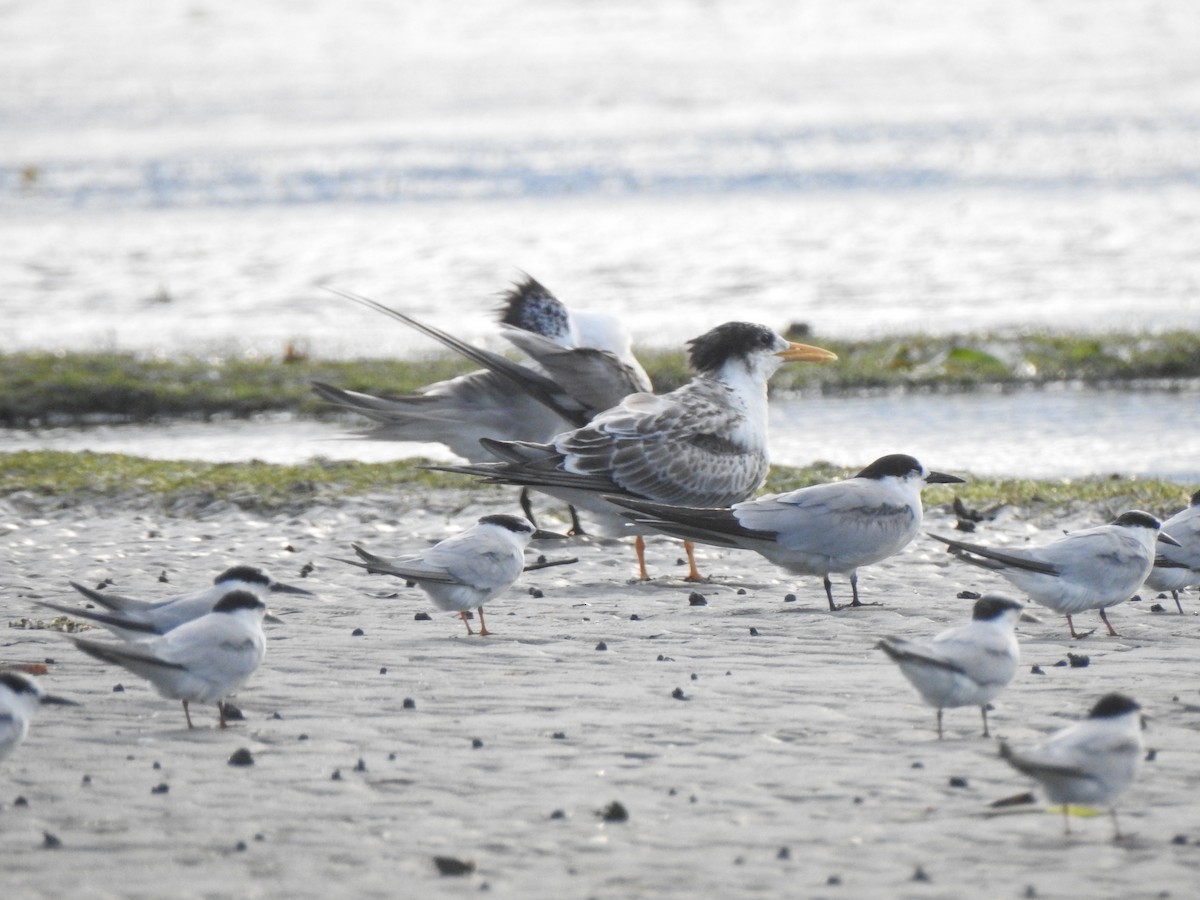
x=760, y=746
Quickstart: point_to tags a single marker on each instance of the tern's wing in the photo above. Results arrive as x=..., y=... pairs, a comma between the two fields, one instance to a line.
x=922, y=654
x=711, y=525
x=141, y=659
x=598, y=379
x=125, y=621
x=411, y=568
x=996, y=559
x=478, y=560
x=522, y=378
x=109, y=600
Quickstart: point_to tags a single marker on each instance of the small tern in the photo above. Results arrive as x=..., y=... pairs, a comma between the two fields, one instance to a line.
x=1176, y=568
x=816, y=530
x=1092, y=569
x=704, y=444
x=20, y=698
x=203, y=660
x=1090, y=762
x=467, y=570
x=964, y=666
x=583, y=363
x=136, y=620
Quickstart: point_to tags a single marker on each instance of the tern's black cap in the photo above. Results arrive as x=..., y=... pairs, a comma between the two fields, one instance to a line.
x=990, y=606
x=515, y=524
x=1135, y=518
x=235, y=600
x=1112, y=705
x=248, y=574
x=710, y=351
x=18, y=683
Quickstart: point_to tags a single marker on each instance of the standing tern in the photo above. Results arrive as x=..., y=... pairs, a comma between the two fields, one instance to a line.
x=704, y=444
x=203, y=660
x=1092, y=569
x=1176, y=568
x=467, y=570
x=20, y=698
x=1090, y=762
x=816, y=530
x=583, y=363
x=136, y=620
x=967, y=665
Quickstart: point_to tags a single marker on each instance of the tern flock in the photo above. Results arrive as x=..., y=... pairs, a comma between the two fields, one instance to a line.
x=578, y=420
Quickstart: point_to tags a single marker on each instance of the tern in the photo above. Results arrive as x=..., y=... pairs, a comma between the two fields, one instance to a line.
x=1090, y=762
x=467, y=570
x=964, y=666
x=816, y=530
x=136, y=620
x=20, y=698
x=1176, y=568
x=704, y=444
x=1092, y=569
x=583, y=363
x=201, y=661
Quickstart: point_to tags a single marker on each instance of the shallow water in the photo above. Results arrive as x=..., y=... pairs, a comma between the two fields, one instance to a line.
x=1055, y=433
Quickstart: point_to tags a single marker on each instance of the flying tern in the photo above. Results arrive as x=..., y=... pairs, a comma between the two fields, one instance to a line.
x=1090, y=762
x=136, y=620
x=1176, y=568
x=816, y=530
x=964, y=666
x=20, y=698
x=467, y=570
x=203, y=660
x=1092, y=569
x=704, y=444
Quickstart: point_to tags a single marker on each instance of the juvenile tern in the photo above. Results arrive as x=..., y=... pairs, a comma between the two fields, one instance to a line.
x=20, y=698
x=964, y=666
x=704, y=444
x=1176, y=568
x=816, y=530
x=1092, y=569
x=203, y=660
x=136, y=620
x=1090, y=762
x=582, y=363
x=467, y=570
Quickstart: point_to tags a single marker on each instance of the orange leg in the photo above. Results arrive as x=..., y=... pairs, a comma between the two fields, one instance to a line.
x=693, y=573
x=640, y=546
x=482, y=625
x=466, y=621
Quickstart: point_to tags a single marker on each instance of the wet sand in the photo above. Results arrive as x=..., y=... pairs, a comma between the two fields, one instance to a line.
x=760, y=747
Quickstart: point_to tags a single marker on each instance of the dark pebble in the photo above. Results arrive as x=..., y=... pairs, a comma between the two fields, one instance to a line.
x=1061, y=664
x=260, y=837
x=789, y=598
x=232, y=713
x=157, y=765
x=1179, y=839
x=383, y=670
x=1136, y=598
x=87, y=780
x=558, y=814
x=1157, y=607
x=536, y=593
x=240, y=847
x=680, y=561
x=1151, y=755
x=635, y=618
x=48, y=661
x=921, y=875
x=336, y=776
x=476, y=743
x=357, y=632
x=695, y=677
x=614, y=812
x=968, y=595
x=741, y=592
x=163, y=579
x=1036, y=670
x=678, y=694
x=559, y=735
x=421, y=617
x=361, y=765
x=308, y=569
x=541, y=557
x=1030, y=892
x=409, y=703
x=241, y=757
x=958, y=782
x=739, y=860
x=602, y=646
x=288, y=548
x=918, y=765
x=302, y=737
x=118, y=689
x=784, y=853
x=20, y=801
x=276, y=716
x=1078, y=661
x=833, y=880
x=858, y=801
x=410, y=584
x=50, y=841
x=753, y=631
x=697, y=599
x=1014, y=800
x=451, y=865
x=160, y=788
x=391, y=757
